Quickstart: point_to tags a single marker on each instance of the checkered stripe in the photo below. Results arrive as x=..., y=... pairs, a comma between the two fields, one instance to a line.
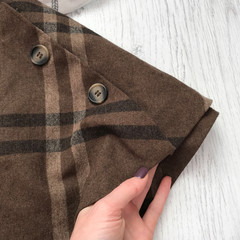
x=55, y=5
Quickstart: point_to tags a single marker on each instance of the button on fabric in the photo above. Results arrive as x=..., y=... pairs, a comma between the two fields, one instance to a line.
x=97, y=93
x=40, y=55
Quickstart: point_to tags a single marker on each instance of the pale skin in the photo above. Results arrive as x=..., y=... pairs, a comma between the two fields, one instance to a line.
x=116, y=216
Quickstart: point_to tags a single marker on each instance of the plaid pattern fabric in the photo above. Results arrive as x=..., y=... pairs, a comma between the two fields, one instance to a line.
x=59, y=152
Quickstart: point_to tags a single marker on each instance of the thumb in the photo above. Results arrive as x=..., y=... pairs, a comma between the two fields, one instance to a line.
x=127, y=190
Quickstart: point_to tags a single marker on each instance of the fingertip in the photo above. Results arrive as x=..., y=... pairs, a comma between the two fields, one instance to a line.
x=168, y=181
x=169, y=178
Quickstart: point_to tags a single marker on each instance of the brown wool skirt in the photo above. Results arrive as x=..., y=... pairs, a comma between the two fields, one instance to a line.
x=59, y=150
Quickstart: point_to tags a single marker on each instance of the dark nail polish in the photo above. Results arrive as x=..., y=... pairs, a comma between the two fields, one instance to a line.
x=141, y=173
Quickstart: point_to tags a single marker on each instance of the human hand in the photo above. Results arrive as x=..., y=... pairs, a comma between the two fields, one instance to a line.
x=116, y=216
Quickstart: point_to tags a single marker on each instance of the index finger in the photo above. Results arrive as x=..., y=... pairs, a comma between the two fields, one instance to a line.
x=155, y=208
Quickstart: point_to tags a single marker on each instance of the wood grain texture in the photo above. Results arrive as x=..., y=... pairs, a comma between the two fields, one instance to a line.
x=199, y=43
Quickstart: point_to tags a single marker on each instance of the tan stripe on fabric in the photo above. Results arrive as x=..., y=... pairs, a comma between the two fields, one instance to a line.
x=53, y=160
x=79, y=102
x=120, y=118
x=68, y=166
x=78, y=44
x=47, y=17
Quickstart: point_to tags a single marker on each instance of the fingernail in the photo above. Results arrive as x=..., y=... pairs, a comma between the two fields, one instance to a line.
x=141, y=173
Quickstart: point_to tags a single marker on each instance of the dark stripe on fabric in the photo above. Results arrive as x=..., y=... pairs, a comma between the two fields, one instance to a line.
x=68, y=167
x=149, y=132
x=31, y=7
x=176, y=141
x=50, y=27
x=55, y=119
x=42, y=171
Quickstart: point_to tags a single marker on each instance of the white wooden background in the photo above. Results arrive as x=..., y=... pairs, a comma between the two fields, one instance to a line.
x=199, y=43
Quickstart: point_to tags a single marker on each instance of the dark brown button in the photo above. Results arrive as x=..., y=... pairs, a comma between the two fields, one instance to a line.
x=39, y=55
x=97, y=93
